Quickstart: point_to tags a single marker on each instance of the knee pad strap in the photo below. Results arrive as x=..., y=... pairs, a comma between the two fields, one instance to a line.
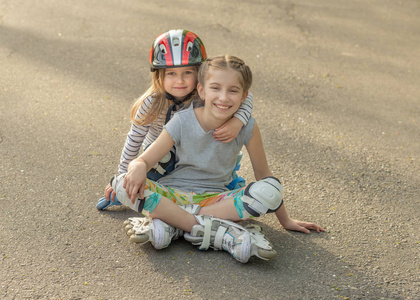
x=263, y=196
x=163, y=167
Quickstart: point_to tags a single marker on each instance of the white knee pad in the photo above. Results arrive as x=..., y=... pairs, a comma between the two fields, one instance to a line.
x=263, y=196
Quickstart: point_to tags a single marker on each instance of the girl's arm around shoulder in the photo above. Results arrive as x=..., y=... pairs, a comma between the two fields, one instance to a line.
x=245, y=110
x=228, y=131
x=134, y=181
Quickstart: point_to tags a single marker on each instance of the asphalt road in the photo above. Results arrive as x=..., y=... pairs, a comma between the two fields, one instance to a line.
x=337, y=98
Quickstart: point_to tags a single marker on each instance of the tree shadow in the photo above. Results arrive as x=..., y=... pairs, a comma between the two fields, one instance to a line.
x=107, y=65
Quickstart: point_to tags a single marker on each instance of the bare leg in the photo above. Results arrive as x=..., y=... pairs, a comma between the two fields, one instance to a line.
x=224, y=209
x=172, y=214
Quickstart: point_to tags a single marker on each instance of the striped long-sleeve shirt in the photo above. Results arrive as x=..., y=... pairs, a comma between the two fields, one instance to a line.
x=147, y=134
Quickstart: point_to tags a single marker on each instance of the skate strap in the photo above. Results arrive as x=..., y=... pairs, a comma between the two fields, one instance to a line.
x=255, y=205
x=207, y=233
x=218, y=239
x=193, y=209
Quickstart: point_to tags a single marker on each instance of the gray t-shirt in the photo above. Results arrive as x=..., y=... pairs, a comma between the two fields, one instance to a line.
x=202, y=163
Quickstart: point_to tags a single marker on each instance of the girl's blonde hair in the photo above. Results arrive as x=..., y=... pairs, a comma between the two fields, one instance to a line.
x=225, y=62
x=160, y=103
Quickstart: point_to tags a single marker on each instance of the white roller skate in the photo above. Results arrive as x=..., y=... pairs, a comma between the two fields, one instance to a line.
x=143, y=230
x=160, y=234
x=263, y=248
x=240, y=242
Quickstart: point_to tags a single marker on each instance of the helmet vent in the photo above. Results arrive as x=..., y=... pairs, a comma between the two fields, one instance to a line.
x=189, y=46
x=175, y=42
x=162, y=48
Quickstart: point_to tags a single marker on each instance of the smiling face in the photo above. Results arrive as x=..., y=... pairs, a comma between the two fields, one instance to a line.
x=222, y=93
x=179, y=82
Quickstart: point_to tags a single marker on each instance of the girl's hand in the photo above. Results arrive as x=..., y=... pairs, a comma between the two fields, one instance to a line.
x=228, y=131
x=301, y=226
x=109, y=193
x=135, y=180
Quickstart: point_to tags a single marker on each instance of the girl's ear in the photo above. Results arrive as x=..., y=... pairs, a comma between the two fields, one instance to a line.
x=244, y=96
x=200, y=90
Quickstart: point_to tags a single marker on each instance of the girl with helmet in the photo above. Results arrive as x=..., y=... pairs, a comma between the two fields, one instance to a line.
x=175, y=57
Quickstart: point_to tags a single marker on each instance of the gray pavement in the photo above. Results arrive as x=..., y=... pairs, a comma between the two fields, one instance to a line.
x=337, y=98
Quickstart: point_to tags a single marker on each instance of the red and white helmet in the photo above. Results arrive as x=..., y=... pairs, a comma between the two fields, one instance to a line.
x=177, y=48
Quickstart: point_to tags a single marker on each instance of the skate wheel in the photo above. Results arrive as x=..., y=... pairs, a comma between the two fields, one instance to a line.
x=267, y=254
x=140, y=239
x=253, y=227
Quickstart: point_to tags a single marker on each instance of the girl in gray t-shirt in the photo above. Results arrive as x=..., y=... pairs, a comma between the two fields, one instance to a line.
x=203, y=168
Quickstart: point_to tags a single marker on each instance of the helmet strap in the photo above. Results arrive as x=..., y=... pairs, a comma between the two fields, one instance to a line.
x=173, y=106
x=171, y=97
